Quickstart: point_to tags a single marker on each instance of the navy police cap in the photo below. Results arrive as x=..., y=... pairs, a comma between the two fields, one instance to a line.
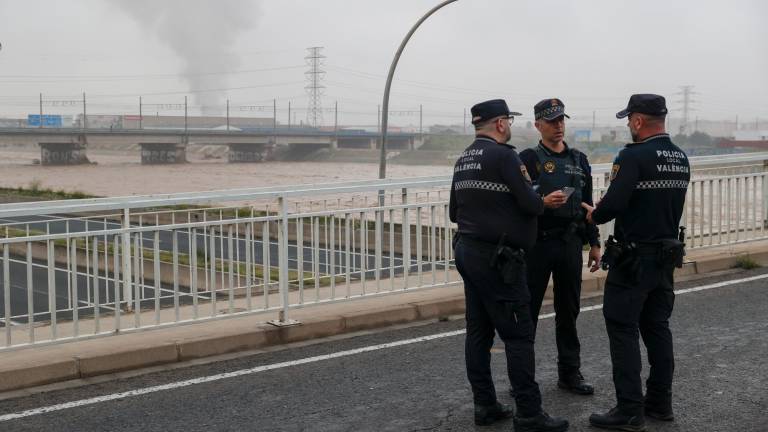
x=491, y=109
x=650, y=104
x=550, y=109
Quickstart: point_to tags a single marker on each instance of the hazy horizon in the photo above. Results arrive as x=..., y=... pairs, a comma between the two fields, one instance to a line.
x=592, y=55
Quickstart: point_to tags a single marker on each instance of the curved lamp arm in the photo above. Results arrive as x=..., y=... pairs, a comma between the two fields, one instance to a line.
x=385, y=104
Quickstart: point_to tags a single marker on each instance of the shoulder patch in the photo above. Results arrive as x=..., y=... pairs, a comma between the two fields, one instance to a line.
x=524, y=172
x=615, y=171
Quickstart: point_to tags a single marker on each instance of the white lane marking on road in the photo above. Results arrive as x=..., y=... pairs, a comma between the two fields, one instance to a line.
x=257, y=369
x=211, y=378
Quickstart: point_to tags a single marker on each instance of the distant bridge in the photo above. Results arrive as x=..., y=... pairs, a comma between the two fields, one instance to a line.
x=67, y=146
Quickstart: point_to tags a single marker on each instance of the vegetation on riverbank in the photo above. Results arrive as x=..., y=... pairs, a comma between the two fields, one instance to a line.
x=34, y=190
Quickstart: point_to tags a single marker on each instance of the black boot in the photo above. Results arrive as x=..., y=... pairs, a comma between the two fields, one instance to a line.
x=541, y=422
x=488, y=414
x=616, y=420
x=574, y=383
x=659, y=409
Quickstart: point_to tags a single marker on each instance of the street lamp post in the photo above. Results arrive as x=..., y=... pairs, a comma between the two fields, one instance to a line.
x=385, y=104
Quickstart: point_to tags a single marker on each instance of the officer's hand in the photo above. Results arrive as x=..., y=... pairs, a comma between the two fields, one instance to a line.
x=594, y=259
x=589, y=210
x=555, y=199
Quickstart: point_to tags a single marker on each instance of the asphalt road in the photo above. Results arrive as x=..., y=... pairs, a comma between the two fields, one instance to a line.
x=721, y=383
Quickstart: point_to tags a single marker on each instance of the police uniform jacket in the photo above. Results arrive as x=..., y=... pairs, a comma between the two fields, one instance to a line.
x=491, y=195
x=578, y=176
x=649, y=181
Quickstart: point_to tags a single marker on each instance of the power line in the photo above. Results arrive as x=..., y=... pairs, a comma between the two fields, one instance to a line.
x=33, y=79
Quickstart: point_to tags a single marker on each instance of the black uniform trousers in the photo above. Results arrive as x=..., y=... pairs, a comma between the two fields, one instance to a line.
x=561, y=258
x=640, y=297
x=492, y=305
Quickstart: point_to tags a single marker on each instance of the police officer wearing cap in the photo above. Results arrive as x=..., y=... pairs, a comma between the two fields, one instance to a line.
x=646, y=197
x=495, y=208
x=562, y=232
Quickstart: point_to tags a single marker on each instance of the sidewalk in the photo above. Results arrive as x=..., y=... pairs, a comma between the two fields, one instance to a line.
x=34, y=366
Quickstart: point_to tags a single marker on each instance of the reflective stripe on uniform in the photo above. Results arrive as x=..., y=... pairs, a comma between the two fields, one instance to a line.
x=482, y=185
x=662, y=184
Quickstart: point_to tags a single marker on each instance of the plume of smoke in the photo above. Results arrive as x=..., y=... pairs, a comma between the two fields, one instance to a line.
x=202, y=33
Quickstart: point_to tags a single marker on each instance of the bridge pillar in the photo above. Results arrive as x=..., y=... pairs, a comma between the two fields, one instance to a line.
x=417, y=142
x=163, y=153
x=63, y=153
x=245, y=153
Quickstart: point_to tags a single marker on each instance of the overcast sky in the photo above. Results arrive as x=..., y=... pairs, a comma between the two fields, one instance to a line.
x=591, y=53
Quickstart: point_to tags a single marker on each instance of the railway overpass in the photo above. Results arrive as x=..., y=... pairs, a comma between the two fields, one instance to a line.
x=67, y=146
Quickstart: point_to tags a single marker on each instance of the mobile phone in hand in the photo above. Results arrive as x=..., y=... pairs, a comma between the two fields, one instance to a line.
x=568, y=190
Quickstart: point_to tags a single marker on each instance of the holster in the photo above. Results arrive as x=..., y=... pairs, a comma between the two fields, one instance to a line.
x=620, y=255
x=672, y=252
x=509, y=262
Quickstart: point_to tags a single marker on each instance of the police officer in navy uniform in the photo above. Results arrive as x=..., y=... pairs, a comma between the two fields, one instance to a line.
x=646, y=197
x=495, y=208
x=562, y=232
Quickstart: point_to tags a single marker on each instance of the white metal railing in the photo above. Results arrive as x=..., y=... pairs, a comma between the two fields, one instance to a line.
x=89, y=268
x=73, y=270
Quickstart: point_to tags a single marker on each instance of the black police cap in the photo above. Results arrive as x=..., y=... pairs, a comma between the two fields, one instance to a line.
x=650, y=104
x=491, y=109
x=550, y=109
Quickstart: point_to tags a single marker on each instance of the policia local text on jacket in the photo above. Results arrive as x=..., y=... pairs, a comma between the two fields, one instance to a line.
x=491, y=195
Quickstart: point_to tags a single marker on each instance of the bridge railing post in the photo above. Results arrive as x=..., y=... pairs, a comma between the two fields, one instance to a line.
x=127, y=289
x=282, y=253
x=764, y=180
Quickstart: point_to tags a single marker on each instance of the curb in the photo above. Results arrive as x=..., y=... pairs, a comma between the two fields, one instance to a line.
x=84, y=359
x=134, y=355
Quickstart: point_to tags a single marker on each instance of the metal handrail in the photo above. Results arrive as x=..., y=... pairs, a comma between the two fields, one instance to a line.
x=217, y=196
x=275, y=192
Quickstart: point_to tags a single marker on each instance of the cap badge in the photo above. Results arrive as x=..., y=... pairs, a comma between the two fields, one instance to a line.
x=554, y=102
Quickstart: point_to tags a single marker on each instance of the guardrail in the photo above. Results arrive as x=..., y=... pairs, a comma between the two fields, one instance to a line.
x=96, y=267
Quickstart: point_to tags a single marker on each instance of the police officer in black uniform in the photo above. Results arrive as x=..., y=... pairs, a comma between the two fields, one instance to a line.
x=562, y=232
x=495, y=207
x=646, y=197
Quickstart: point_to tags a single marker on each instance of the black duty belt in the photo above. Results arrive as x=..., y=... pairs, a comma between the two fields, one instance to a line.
x=647, y=249
x=482, y=245
x=551, y=233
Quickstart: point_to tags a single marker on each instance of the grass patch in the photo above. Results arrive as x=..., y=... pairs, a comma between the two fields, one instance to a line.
x=35, y=191
x=746, y=262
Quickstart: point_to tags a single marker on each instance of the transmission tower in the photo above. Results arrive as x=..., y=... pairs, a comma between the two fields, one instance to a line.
x=314, y=87
x=686, y=92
